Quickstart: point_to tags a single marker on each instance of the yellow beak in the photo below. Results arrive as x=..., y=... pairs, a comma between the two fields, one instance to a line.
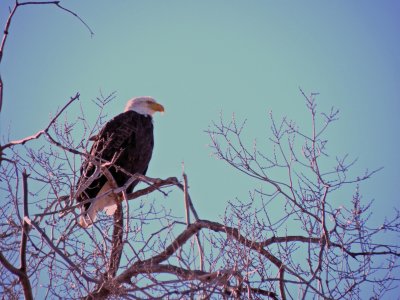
x=156, y=107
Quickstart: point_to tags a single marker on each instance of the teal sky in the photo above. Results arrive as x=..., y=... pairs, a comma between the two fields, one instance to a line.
x=199, y=58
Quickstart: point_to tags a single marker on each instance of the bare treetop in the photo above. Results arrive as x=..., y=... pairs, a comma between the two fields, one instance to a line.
x=290, y=239
x=300, y=234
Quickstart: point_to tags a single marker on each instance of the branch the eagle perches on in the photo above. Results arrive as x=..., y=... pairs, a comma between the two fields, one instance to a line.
x=249, y=254
x=43, y=249
x=152, y=264
x=167, y=256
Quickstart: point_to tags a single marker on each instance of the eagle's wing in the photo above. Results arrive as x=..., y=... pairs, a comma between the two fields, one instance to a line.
x=108, y=144
x=127, y=140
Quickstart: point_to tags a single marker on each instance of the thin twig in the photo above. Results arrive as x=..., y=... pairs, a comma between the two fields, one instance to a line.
x=186, y=198
x=80, y=19
x=39, y=133
x=57, y=3
x=61, y=254
x=201, y=252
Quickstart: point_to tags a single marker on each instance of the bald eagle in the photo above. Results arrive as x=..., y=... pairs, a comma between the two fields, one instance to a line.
x=128, y=141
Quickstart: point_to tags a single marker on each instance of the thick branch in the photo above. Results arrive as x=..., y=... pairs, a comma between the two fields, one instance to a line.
x=117, y=242
x=190, y=231
x=22, y=271
x=26, y=284
x=117, y=235
x=4, y=261
x=1, y=92
x=218, y=278
x=6, y=30
x=3, y=42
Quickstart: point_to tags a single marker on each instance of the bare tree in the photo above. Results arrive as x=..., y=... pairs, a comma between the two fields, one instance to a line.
x=317, y=245
x=290, y=239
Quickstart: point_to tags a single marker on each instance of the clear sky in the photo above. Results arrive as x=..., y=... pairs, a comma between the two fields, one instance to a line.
x=199, y=58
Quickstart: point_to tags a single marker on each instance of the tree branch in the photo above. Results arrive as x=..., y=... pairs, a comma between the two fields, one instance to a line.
x=117, y=235
x=9, y=266
x=7, y=29
x=44, y=131
x=185, y=198
x=26, y=284
x=62, y=255
x=21, y=272
x=8, y=24
x=218, y=278
x=191, y=230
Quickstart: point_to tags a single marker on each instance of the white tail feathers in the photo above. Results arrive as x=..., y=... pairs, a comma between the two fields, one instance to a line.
x=106, y=203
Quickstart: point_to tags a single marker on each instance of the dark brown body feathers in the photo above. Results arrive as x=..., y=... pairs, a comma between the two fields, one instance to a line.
x=127, y=138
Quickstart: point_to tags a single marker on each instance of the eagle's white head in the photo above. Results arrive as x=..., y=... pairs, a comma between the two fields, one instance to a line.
x=144, y=105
